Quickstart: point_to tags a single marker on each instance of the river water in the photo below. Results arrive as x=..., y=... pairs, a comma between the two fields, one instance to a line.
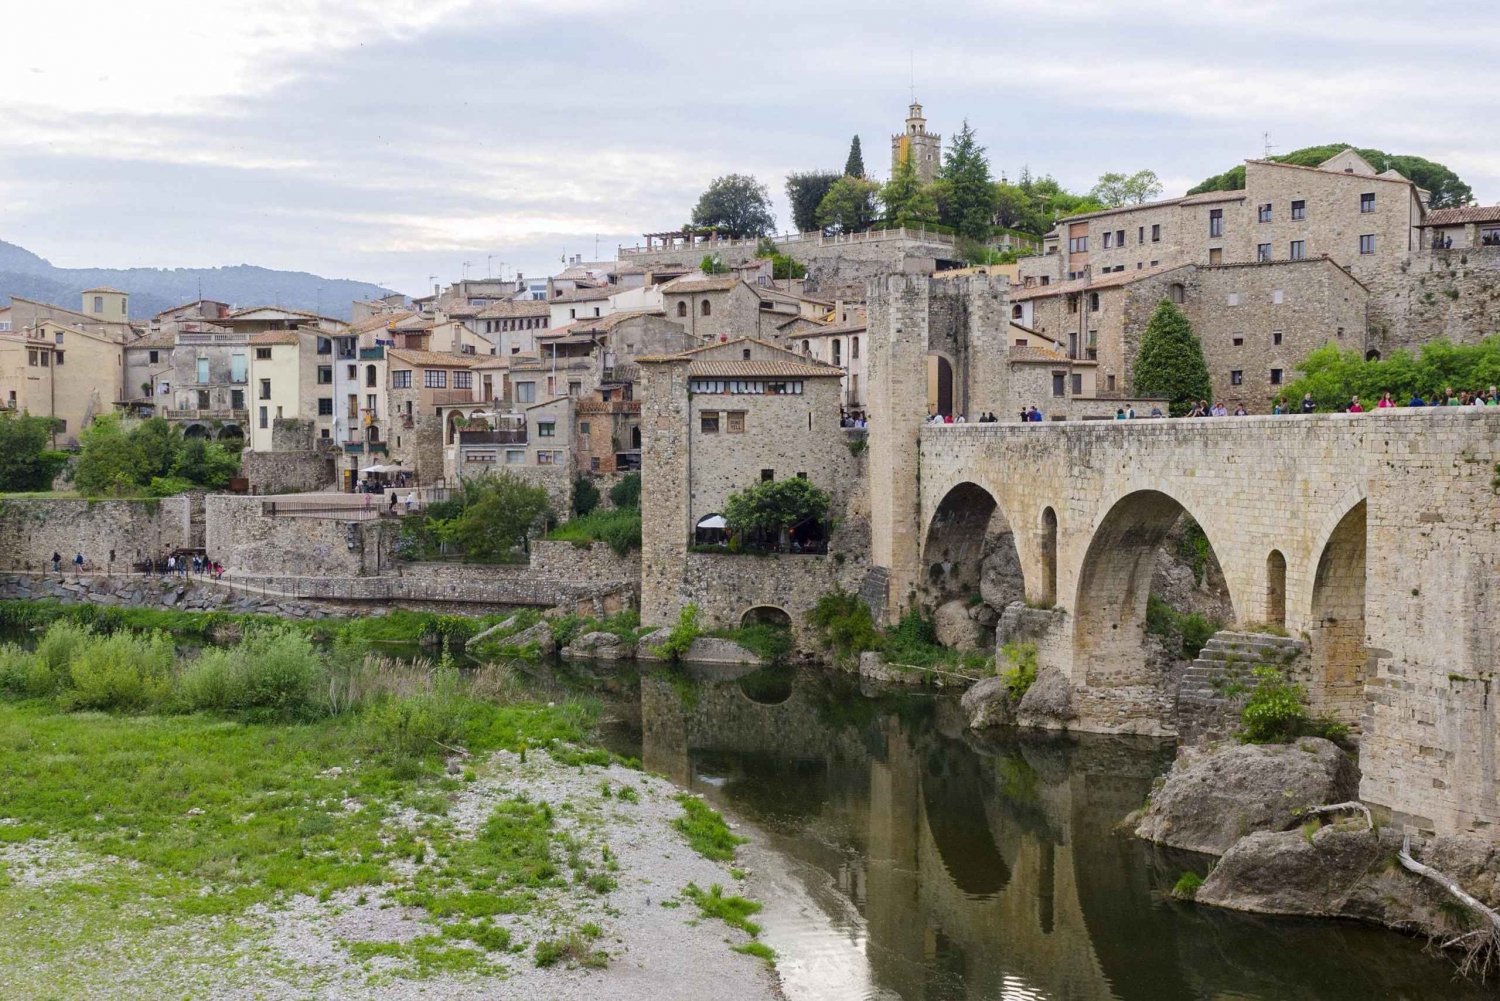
x=912, y=859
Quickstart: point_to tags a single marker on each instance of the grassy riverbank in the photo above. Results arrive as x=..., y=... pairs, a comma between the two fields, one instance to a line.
x=270, y=819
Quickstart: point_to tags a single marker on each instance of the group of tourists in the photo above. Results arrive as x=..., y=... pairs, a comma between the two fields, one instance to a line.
x=77, y=562
x=1447, y=398
x=848, y=420
x=199, y=566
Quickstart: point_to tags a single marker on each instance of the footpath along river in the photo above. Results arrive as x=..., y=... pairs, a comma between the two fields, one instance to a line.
x=901, y=856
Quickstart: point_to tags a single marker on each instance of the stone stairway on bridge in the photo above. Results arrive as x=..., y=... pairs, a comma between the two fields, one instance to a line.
x=1213, y=689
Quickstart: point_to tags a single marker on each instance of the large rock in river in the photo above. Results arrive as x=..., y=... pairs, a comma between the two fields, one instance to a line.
x=954, y=627
x=1214, y=796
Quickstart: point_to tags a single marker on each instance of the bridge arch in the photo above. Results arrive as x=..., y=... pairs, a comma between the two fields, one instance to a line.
x=1336, y=619
x=967, y=529
x=1276, y=588
x=771, y=615
x=1114, y=585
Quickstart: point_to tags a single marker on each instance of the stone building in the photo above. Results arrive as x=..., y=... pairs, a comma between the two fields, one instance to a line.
x=420, y=384
x=720, y=419
x=512, y=326
x=1370, y=223
x=925, y=148
x=1255, y=321
x=725, y=307
x=51, y=369
x=275, y=384
x=1461, y=228
x=838, y=346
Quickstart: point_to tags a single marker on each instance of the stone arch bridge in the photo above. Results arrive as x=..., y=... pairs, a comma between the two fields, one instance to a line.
x=1373, y=537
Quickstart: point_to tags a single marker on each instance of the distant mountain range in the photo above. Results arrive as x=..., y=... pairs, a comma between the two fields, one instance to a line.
x=152, y=290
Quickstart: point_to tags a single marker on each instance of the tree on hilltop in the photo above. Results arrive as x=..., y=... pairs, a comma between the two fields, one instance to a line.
x=737, y=205
x=806, y=191
x=849, y=206
x=1114, y=190
x=854, y=166
x=965, y=193
x=1170, y=363
x=1447, y=188
x=908, y=202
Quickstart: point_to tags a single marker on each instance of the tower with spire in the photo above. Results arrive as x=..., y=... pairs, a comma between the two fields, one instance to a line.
x=925, y=148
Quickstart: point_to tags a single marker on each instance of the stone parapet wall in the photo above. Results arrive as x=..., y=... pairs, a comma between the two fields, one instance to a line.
x=246, y=541
x=287, y=472
x=33, y=528
x=1452, y=294
x=726, y=587
x=191, y=594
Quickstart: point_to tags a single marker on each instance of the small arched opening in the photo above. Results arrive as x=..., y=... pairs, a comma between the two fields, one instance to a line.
x=706, y=309
x=371, y=377
x=1048, y=550
x=1372, y=355
x=1276, y=589
x=1336, y=632
x=455, y=422
x=939, y=385
x=766, y=615
x=231, y=432
x=682, y=309
x=196, y=430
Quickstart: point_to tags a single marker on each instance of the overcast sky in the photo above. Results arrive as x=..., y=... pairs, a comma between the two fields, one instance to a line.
x=387, y=140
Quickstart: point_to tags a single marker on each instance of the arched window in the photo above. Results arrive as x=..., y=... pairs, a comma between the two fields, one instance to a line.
x=1372, y=355
x=807, y=347
x=370, y=375
x=1178, y=293
x=1016, y=312
x=706, y=309
x=682, y=309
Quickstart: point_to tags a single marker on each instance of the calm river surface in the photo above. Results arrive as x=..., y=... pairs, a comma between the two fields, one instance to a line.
x=918, y=861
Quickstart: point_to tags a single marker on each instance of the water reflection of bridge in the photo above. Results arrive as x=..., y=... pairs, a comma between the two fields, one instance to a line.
x=982, y=869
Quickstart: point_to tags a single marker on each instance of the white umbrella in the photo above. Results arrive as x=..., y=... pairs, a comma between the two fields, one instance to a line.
x=713, y=521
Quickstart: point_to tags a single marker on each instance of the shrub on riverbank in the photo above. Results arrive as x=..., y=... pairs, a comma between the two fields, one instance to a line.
x=1276, y=713
x=845, y=628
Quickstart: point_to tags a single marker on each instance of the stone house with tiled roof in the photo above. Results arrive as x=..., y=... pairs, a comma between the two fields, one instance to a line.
x=721, y=419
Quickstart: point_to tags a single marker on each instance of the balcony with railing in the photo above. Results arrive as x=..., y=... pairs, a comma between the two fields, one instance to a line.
x=451, y=397
x=209, y=414
x=515, y=436
x=376, y=353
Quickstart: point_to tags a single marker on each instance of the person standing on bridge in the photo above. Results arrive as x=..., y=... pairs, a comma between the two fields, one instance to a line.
x=1308, y=406
x=1354, y=405
x=1385, y=402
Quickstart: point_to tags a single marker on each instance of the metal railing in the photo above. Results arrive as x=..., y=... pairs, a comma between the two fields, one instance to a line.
x=517, y=437
x=209, y=414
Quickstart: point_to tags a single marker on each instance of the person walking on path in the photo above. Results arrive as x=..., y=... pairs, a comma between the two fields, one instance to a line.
x=411, y=501
x=56, y=562
x=78, y=563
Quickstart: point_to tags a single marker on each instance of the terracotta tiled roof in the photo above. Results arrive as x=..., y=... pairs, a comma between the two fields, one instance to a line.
x=275, y=337
x=495, y=362
x=692, y=286
x=772, y=367
x=1460, y=216
x=106, y=288
x=431, y=359
x=380, y=322
x=520, y=307
x=1112, y=280
x=598, y=324
x=157, y=341
x=848, y=328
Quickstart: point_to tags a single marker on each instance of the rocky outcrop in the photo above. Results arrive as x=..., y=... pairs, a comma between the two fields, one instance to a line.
x=1347, y=870
x=1214, y=796
x=704, y=650
x=987, y=704
x=1049, y=700
x=598, y=646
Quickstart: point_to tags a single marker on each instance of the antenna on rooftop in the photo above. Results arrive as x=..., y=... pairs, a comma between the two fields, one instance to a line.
x=1265, y=138
x=467, y=265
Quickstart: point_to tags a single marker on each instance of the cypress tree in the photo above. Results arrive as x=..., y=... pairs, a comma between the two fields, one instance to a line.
x=855, y=165
x=1170, y=363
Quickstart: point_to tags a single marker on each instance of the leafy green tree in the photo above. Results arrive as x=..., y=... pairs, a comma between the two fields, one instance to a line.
x=1114, y=190
x=1170, y=363
x=908, y=202
x=854, y=166
x=206, y=464
x=498, y=512
x=849, y=206
x=109, y=462
x=737, y=205
x=806, y=192
x=776, y=506
x=1447, y=188
x=626, y=493
x=713, y=264
x=27, y=460
x=1015, y=208
x=968, y=195
x=585, y=495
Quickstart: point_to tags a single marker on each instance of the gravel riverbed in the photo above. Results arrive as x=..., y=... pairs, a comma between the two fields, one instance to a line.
x=358, y=943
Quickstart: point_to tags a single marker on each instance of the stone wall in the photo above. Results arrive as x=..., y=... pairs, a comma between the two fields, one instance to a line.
x=726, y=587
x=191, y=594
x=1452, y=294
x=287, y=472
x=592, y=564
x=109, y=533
x=246, y=541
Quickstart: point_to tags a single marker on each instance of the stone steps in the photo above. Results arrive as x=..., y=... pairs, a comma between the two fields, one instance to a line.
x=1213, y=688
